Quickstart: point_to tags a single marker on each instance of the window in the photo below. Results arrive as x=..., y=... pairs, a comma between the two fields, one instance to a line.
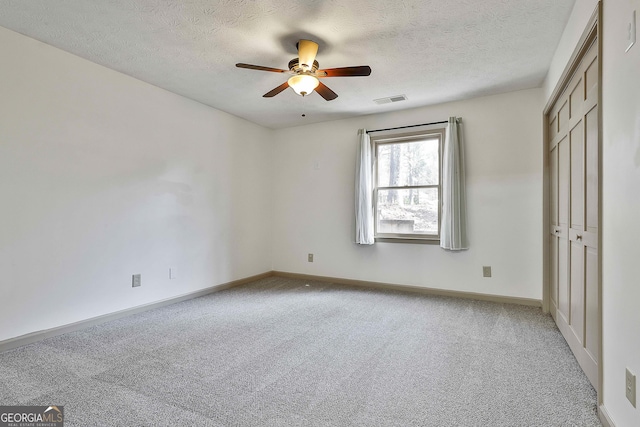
x=407, y=186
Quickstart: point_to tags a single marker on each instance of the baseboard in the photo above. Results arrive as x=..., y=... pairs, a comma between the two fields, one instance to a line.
x=605, y=418
x=418, y=289
x=82, y=324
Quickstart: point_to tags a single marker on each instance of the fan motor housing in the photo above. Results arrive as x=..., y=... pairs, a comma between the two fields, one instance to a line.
x=294, y=65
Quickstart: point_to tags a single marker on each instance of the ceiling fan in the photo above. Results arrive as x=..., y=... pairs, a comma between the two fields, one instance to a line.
x=305, y=73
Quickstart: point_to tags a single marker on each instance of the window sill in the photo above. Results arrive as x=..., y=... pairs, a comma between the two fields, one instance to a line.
x=407, y=240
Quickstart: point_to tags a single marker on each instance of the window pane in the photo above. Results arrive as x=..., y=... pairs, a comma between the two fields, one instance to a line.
x=408, y=163
x=407, y=211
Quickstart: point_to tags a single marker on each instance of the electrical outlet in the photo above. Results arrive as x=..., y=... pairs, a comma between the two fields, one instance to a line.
x=630, y=387
x=310, y=258
x=173, y=273
x=486, y=271
x=136, y=280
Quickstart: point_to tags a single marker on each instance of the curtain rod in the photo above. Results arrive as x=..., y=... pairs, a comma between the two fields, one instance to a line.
x=410, y=126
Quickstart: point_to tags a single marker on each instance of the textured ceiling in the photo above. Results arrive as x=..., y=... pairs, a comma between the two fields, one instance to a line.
x=432, y=51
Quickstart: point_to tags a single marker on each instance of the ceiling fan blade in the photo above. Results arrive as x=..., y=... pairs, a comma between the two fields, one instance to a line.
x=261, y=68
x=363, y=70
x=325, y=92
x=307, y=51
x=276, y=91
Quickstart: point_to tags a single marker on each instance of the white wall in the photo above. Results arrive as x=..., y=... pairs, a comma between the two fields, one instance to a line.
x=103, y=176
x=621, y=194
x=314, y=208
x=621, y=210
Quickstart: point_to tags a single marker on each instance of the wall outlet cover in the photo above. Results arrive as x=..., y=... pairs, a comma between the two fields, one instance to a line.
x=630, y=387
x=136, y=280
x=173, y=273
x=486, y=271
x=310, y=258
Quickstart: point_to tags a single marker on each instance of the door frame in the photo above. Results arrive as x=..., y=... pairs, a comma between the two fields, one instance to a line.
x=592, y=31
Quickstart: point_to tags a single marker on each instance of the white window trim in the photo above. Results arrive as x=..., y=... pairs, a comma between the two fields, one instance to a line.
x=398, y=137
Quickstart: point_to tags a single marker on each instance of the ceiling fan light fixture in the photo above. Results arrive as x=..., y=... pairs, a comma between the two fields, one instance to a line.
x=303, y=84
x=305, y=73
x=307, y=51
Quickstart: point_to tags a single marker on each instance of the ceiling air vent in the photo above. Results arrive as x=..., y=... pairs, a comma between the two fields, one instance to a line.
x=390, y=99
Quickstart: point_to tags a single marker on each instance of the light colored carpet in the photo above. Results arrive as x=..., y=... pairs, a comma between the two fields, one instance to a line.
x=283, y=352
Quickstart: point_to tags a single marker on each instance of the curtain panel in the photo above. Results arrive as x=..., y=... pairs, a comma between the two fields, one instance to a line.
x=453, y=231
x=364, y=190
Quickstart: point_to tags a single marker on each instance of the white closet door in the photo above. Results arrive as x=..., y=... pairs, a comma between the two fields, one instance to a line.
x=574, y=205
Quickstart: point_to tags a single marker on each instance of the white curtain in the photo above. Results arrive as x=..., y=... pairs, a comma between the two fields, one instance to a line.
x=364, y=190
x=453, y=231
